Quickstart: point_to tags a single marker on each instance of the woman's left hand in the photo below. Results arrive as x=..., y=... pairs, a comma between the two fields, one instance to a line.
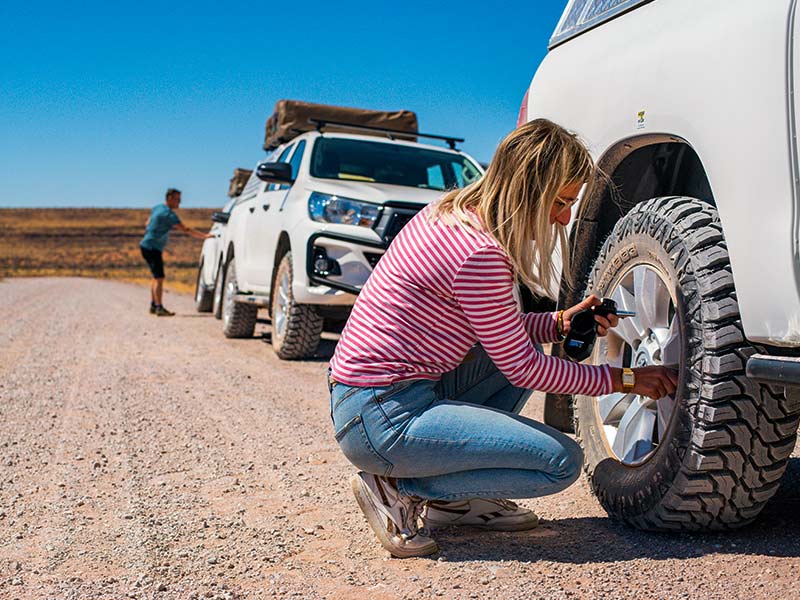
x=603, y=323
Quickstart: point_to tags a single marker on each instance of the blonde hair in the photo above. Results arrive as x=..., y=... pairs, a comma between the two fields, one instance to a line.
x=514, y=198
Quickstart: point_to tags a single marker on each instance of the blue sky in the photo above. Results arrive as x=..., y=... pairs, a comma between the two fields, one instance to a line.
x=108, y=104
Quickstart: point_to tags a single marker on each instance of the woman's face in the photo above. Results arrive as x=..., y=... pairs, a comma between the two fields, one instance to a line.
x=561, y=211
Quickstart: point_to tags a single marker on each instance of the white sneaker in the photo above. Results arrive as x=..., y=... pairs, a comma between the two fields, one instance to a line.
x=392, y=516
x=486, y=513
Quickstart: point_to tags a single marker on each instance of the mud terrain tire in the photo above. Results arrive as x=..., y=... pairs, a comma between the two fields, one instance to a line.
x=238, y=319
x=203, y=297
x=727, y=444
x=296, y=328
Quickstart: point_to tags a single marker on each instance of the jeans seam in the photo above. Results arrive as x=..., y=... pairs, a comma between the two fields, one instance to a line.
x=371, y=448
x=516, y=449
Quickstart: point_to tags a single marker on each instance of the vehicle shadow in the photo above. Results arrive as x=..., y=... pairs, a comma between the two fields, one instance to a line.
x=580, y=540
x=327, y=345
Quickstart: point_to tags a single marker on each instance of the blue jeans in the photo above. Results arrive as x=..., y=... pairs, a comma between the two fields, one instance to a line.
x=461, y=437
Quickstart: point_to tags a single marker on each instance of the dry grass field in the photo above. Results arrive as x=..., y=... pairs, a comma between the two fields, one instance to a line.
x=94, y=242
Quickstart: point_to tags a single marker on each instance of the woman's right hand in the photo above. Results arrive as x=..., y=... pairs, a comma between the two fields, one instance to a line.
x=654, y=382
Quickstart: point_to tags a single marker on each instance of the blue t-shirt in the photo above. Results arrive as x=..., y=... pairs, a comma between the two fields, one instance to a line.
x=162, y=219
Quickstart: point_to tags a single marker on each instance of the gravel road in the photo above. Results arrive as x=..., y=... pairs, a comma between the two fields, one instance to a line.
x=153, y=458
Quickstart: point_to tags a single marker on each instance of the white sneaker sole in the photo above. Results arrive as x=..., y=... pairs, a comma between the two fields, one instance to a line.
x=375, y=519
x=498, y=526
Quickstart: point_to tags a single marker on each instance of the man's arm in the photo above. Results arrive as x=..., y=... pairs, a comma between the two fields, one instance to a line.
x=195, y=233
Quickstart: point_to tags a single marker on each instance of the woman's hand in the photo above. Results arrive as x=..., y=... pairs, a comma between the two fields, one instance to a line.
x=603, y=323
x=654, y=382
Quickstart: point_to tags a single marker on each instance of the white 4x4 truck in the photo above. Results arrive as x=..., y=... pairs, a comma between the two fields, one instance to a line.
x=315, y=218
x=691, y=109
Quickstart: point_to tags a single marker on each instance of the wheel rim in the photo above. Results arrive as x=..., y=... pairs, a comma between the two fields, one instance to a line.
x=282, y=305
x=198, y=294
x=230, y=291
x=634, y=425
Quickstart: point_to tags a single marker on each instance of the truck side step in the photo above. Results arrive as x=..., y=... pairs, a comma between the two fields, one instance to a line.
x=782, y=370
x=251, y=299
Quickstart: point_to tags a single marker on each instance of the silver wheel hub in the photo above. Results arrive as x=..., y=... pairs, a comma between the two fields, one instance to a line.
x=633, y=425
x=282, y=307
x=230, y=292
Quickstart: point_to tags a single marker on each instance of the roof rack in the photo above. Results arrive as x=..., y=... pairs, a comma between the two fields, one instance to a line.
x=391, y=133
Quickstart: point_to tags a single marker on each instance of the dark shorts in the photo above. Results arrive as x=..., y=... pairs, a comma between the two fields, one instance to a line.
x=155, y=261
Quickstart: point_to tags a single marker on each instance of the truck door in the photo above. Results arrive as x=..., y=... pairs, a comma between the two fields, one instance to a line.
x=263, y=230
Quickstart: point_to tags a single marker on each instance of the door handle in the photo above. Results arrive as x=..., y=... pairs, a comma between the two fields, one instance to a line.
x=265, y=207
x=252, y=209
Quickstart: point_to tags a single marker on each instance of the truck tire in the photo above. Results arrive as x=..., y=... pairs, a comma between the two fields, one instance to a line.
x=296, y=328
x=238, y=319
x=219, y=286
x=711, y=457
x=203, y=297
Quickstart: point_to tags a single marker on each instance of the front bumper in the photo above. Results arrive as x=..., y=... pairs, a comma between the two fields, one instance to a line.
x=344, y=262
x=348, y=260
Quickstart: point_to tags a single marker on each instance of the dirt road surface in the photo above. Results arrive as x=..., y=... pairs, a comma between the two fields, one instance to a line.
x=153, y=458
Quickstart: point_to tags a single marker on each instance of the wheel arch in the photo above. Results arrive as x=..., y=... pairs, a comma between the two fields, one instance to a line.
x=636, y=169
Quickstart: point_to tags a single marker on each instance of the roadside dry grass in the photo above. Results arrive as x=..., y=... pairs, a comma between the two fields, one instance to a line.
x=94, y=242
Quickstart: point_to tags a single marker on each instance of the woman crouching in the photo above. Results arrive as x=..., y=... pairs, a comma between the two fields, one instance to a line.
x=437, y=359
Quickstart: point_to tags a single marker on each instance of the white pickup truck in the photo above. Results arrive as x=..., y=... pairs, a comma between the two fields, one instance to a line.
x=314, y=219
x=690, y=108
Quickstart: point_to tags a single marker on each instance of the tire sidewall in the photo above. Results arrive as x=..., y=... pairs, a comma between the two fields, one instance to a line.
x=199, y=284
x=219, y=282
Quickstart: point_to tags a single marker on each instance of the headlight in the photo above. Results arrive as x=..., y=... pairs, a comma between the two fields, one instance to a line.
x=335, y=209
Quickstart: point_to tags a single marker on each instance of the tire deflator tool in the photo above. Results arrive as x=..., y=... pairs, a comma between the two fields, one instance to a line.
x=582, y=334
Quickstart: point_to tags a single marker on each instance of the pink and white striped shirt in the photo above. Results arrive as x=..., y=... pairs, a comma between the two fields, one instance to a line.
x=437, y=291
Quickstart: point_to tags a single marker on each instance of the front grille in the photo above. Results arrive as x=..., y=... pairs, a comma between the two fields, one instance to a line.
x=393, y=218
x=395, y=225
x=372, y=258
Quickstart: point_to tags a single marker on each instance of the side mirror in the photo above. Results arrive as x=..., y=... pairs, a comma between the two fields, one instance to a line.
x=275, y=172
x=220, y=217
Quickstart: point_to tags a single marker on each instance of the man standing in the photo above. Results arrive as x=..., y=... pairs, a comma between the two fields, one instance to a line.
x=162, y=220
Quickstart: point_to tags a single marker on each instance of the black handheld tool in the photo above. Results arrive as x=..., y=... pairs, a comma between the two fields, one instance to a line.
x=583, y=330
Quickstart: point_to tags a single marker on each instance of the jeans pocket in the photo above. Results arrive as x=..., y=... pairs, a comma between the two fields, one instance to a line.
x=357, y=447
x=382, y=393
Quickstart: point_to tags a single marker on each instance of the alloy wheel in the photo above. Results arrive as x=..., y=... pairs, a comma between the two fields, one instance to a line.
x=634, y=425
x=282, y=307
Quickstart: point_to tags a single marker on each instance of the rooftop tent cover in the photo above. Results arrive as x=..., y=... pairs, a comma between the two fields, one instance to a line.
x=238, y=181
x=291, y=118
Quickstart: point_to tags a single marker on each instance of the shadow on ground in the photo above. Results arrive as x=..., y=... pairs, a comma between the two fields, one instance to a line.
x=598, y=539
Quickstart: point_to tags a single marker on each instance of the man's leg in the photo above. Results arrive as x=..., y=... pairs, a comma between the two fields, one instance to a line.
x=158, y=290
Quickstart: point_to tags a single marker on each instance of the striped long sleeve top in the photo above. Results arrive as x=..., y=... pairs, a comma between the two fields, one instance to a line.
x=438, y=291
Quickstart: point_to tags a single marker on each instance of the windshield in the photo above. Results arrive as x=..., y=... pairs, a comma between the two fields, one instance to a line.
x=359, y=160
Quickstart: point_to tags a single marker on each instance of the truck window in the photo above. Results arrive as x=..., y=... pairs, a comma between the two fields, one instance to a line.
x=395, y=164
x=582, y=15
x=297, y=157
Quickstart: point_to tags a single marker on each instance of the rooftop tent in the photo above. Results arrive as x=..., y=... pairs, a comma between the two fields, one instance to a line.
x=238, y=181
x=291, y=118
